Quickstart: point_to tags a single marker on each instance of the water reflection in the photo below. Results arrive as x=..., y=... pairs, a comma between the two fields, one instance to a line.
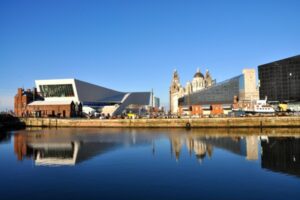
x=153, y=163
x=281, y=154
x=202, y=146
x=72, y=146
x=66, y=147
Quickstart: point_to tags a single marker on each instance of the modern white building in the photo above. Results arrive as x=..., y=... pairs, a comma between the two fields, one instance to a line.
x=92, y=97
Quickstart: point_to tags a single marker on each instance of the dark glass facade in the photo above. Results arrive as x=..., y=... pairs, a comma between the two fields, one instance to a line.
x=63, y=90
x=280, y=80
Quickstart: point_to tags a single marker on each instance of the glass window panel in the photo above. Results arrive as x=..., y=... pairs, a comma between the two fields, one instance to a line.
x=63, y=90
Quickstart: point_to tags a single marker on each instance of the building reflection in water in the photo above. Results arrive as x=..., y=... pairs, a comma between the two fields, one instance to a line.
x=69, y=149
x=279, y=154
x=203, y=146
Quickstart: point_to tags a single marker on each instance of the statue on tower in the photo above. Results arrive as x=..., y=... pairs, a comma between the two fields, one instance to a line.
x=208, y=79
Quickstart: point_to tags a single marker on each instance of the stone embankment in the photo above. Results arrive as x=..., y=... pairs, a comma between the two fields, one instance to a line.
x=167, y=123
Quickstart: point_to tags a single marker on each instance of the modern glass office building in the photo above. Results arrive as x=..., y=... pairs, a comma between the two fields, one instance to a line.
x=280, y=80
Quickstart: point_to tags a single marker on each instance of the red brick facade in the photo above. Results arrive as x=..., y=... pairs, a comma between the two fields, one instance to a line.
x=62, y=110
x=23, y=108
x=217, y=109
x=22, y=99
x=197, y=110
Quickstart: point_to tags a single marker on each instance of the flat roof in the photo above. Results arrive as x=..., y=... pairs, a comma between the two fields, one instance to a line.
x=43, y=103
x=284, y=59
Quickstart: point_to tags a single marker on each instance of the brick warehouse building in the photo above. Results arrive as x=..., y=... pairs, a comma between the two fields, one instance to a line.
x=30, y=104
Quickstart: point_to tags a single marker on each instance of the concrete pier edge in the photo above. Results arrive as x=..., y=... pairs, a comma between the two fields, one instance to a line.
x=255, y=122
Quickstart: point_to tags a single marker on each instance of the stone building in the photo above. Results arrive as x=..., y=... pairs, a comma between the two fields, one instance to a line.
x=177, y=91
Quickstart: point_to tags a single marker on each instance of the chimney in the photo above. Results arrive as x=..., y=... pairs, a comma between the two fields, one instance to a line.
x=34, y=92
x=20, y=91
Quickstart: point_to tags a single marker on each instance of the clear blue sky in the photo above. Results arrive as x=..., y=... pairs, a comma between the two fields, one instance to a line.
x=135, y=45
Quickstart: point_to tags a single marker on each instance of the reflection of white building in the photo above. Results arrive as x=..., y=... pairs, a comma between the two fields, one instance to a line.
x=57, y=153
x=252, y=147
x=68, y=153
x=69, y=147
x=92, y=97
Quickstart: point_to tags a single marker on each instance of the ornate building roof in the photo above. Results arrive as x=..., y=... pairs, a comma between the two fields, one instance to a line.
x=198, y=74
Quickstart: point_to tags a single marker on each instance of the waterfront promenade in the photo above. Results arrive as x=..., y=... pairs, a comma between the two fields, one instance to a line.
x=167, y=123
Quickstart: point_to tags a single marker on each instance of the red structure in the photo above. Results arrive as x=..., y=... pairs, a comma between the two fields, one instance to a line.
x=217, y=109
x=30, y=104
x=22, y=99
x=197, y=110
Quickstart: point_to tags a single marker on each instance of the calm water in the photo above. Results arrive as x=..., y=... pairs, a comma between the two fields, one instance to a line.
x=150, y=164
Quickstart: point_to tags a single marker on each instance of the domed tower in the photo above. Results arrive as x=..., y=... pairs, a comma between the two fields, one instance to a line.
x=208, y=79
x=198, y=81
x=176, y=91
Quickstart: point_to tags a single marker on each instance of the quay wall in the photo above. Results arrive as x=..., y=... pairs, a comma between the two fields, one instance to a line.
x=166, y=123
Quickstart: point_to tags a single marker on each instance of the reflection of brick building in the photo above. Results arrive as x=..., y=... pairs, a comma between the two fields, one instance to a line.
x=20, y=146
x=26, y=104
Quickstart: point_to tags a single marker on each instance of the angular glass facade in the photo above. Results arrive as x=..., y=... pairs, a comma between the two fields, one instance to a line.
x=63, y=90
x=221, y=93
x=280, y=80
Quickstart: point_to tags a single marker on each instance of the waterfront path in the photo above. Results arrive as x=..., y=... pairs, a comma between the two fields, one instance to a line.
x=167, y=123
